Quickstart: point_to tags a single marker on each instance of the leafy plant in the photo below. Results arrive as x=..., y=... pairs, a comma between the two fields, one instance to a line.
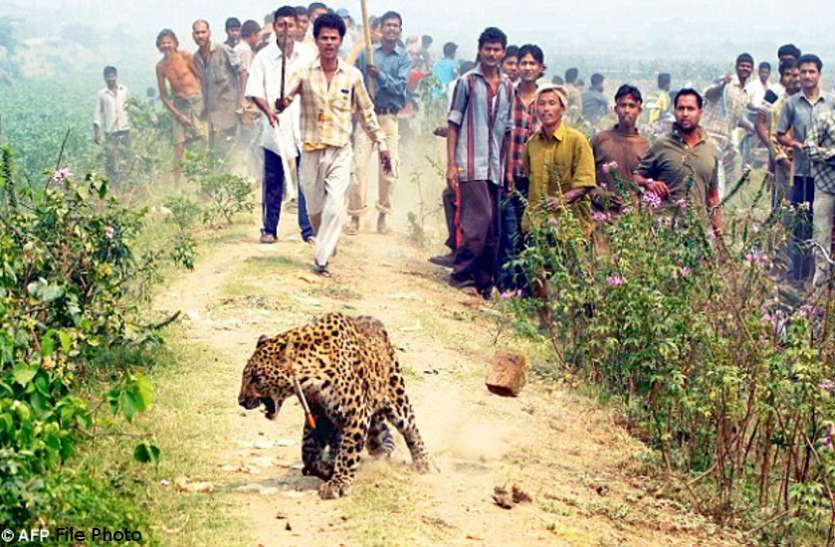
x=732, y=387
x=184, y=212
x=227, y=194
x=69, y=287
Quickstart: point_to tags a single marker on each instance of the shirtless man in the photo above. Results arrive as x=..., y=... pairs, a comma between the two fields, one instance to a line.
x=177, y=68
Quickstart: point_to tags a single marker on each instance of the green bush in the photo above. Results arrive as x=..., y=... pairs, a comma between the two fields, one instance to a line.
x=69, y=287
x=725, y=381
x=226, y=193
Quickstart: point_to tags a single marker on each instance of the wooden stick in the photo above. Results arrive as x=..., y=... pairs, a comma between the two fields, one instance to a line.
x=369, y=59
x=283, y=58
x=311, y=421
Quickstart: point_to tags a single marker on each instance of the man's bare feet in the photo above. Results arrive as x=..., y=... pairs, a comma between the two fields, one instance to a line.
x=382, y=227
x=353, y=228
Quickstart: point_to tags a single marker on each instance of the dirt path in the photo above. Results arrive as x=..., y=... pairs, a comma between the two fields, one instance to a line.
x=564, y=452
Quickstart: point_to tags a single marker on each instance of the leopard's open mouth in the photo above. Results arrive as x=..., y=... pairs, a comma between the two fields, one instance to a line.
x=270, y=409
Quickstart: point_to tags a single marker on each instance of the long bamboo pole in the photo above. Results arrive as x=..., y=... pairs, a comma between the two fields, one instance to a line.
x=366, y=30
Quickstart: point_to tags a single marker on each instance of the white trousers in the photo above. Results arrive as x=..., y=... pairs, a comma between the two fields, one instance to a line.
x=325, y=176
x=823, y=210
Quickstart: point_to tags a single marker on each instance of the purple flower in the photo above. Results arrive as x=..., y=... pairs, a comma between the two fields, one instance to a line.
x=827, y=439
x=615, y=280
x=608, y=167
x=652, y=199
x=827, y=385
x=510, y=295
x=599, y=217
x=60, y=174
x=755, y=258
x=774, y=321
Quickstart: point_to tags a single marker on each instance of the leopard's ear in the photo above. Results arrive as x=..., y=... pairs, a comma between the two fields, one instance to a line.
x=261, y=339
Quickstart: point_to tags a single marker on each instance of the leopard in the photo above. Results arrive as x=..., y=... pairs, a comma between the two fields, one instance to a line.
x=352, y=382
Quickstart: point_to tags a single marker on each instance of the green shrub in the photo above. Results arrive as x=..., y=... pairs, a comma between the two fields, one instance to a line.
x=689, y=335
x=69, y=287
x=226, y=194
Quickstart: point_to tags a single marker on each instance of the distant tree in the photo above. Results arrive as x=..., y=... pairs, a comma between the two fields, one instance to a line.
x=7, y=33
x=81, y=34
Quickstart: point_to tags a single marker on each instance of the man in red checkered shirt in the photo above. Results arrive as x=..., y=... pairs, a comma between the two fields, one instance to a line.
x=523, y=124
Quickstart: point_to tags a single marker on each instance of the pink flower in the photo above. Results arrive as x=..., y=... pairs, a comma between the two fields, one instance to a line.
x=827, y=439
x=774, y=321
x=60, y=174
x=651, y=199
x=615, y=280
x=510, y=295
x=755, y=258
x=608, y=167
x=684, y=272
x=599, y=217
x=681, y=204
x=827, y=385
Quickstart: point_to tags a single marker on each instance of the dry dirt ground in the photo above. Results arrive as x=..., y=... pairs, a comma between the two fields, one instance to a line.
x=565, y=452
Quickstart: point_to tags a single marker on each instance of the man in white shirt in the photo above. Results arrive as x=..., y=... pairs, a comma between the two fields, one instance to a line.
x=249, y=117
x=111, y=118
x=281, y=134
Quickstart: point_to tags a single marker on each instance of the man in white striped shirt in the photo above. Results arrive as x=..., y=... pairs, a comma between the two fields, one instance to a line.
x=111, y=118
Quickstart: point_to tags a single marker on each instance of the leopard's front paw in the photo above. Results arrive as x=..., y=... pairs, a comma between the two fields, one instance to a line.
x=323, y=470
x=332, y=490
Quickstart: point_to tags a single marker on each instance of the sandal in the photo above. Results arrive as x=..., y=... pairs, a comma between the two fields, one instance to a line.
x=321, y=270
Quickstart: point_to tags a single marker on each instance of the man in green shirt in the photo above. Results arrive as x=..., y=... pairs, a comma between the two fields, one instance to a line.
x=686, y=152
x=559, y=162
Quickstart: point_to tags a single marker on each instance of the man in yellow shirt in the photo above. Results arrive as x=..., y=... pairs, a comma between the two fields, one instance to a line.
x=559, y=162
x=662, y=103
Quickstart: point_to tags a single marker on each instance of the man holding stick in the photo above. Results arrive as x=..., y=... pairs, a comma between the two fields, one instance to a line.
x=330, y=91
x=390, y=70
x=280, y=137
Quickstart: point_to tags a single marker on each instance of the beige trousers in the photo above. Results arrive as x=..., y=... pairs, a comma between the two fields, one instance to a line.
x=325, y=176
x=363, y=151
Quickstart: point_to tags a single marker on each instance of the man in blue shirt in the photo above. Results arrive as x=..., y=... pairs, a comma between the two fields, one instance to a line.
x=446, y=69
x=797, y=117
x=390, y=72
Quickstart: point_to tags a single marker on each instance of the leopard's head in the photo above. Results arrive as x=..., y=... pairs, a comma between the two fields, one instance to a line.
x=266, y=380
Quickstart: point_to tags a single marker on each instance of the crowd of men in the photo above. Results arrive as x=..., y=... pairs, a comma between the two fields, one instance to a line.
x=302, y=96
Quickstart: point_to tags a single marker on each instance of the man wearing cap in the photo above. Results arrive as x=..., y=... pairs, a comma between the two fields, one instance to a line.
x=390, y=71
x=557, y=148
x=477, y=142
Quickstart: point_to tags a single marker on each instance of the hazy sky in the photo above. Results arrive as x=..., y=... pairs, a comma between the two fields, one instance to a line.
x=643, y=28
